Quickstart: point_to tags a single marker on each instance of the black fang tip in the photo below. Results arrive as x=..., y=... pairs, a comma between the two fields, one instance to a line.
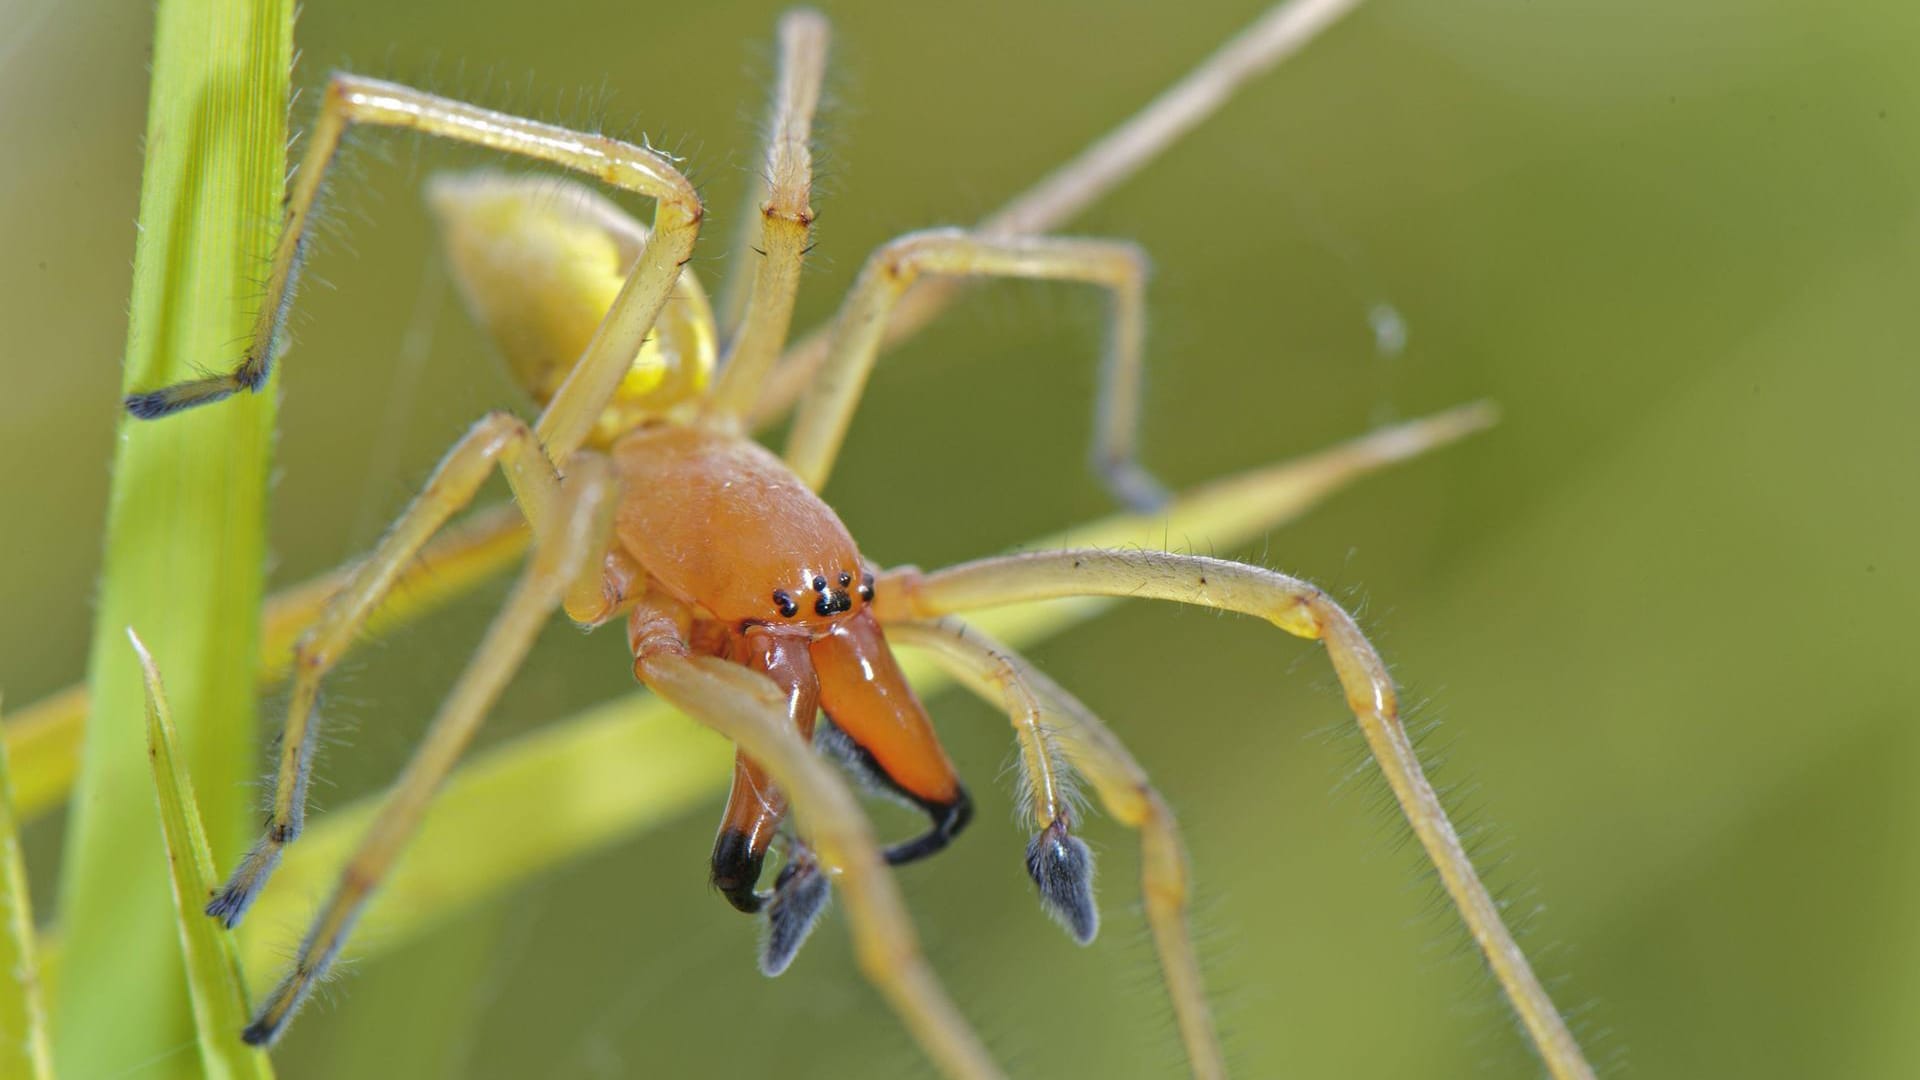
x=1062, y=869
x=799, y=895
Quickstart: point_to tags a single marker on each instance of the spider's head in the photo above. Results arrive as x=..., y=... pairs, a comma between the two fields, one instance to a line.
x=539, y=260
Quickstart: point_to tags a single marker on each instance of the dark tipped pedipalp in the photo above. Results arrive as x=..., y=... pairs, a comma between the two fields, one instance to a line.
x=1062, y=869
x=799, y=895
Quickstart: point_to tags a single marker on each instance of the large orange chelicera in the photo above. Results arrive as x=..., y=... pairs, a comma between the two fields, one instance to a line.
x=748, y=605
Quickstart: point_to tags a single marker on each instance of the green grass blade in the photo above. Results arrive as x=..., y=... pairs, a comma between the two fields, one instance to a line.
x=184, y=549
x=24, y=1050
x=212, y=959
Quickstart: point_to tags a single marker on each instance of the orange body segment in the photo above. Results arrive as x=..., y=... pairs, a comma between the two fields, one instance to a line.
x=724, y=527
x=768, y=577
x=869, y=701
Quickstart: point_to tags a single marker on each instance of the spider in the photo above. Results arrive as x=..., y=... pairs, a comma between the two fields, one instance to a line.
x=748, y=605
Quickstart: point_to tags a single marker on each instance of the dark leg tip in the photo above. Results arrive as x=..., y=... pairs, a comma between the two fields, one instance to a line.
x=799, y=895
x=260, y=1033
x=230, y=905
x=150, y=406
x=171, y=399
x=1062, y=869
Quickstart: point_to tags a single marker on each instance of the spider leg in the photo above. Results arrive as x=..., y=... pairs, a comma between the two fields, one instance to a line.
x=572, y=542
x=820, y=426
x=748, y=709
x=498, y=439
x=1049, y=720
x=351, y=100
x=1109, y=161
x=1304, y=611
x=757, y=316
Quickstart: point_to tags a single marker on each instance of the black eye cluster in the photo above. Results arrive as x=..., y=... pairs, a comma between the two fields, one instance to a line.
x=831, y=601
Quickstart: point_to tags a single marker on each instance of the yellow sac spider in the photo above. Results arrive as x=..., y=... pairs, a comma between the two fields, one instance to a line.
x=748, y=605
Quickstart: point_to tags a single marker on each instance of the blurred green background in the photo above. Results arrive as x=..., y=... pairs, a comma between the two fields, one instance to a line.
x=1661, y=616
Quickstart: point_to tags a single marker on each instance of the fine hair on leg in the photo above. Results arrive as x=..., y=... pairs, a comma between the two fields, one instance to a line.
x=498, y=439
x=1304, y=611
x=351, y=100
x=747, y=709
x=571, y=545
x=757, y=308
x=820, y=426
x=1109, y=161
x=1001, y=676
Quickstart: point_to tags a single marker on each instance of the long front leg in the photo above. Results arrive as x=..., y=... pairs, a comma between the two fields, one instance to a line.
x=498, y=439
x=825, y=413
x=758, y=309
x=574, y=540
x=1109, y=161
x=747, y=708
x=1049, y=721
x=352, y=100
x=1304, y=611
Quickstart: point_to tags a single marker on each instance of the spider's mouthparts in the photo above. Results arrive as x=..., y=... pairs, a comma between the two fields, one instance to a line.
x=1062, y=868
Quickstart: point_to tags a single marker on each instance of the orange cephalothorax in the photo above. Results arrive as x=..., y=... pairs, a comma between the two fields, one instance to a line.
x=722, y=527
x=726, y=528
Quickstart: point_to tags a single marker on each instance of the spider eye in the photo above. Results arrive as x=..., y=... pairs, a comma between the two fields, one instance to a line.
x=819, y=584
x=866, y=587
x=785, y=603
x=846, y=579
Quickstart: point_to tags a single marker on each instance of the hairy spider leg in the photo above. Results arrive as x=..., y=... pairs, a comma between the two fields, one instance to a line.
x=757, y=316
x=1304, y=611
x=748, y=710
x=820, y=425
x=500, y=439
x=1048, y=720
x=351, y=99
x=570, y=545
x=1281, y=31
x=564, y=424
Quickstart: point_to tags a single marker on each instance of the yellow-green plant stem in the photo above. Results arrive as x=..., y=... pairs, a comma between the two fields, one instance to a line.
x=212, y=961
x=184, y=540
x=23, y=1019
